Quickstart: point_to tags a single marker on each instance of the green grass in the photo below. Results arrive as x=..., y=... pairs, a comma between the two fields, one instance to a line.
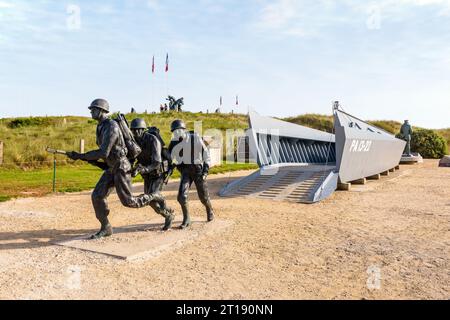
x=25, y=139
x=27, y=168
x=326, y=123
x=315, y=121
x=446, y=134
x=4, y=198
x=39, y=182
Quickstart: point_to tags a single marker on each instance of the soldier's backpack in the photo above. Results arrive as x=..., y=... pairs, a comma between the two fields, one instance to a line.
x=133, y=148
x=165, y=154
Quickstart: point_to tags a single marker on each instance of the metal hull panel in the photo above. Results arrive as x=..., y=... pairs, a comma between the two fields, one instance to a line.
x=274, y=142
x=261, y=124
x=363, y=150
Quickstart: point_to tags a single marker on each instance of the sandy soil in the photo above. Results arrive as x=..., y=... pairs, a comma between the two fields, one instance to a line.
x=397, y=231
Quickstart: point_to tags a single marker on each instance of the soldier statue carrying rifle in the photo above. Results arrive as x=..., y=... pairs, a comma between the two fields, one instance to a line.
x=115, y=151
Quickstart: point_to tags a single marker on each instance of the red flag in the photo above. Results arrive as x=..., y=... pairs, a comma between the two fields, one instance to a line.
x=153, y=65
x=167, y=62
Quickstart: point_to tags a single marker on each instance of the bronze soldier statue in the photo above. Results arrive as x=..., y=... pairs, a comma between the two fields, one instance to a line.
x=192, y=160
x=151, y=166
x=406, y=132
x=113, y=151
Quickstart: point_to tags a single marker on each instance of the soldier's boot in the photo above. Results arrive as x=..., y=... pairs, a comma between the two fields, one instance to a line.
x=209, y=210
x=186, y=217
x=210, y=214
x=105, y=231
x=169, y=216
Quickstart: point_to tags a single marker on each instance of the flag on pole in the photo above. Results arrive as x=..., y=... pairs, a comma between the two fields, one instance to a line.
x=167, y=62
x=153, y=65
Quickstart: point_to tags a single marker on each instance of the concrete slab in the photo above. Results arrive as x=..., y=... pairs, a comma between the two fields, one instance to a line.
x=373, y=185
x=413, y=159
x=143, y=242
x=445, y=162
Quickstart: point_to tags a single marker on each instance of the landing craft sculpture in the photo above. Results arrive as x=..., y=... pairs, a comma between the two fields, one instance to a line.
x=304, y=165
x=296, y=163
x=363, y=150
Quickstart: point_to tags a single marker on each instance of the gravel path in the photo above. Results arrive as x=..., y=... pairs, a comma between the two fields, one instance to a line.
x=390, y=241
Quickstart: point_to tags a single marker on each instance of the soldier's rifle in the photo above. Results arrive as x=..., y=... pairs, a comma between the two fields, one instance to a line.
x=98, y=164
x=168, y=174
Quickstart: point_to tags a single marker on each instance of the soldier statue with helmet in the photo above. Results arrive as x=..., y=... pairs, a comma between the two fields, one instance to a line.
x=193, y=161
x=113, y=151
x=150, y=163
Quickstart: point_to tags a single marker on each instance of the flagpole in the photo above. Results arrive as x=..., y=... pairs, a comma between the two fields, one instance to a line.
x=153, y=82
x=167, y=84
x=167, y=74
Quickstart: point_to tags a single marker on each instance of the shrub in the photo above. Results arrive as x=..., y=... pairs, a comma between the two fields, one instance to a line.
x=29, y=122
x=428, y=143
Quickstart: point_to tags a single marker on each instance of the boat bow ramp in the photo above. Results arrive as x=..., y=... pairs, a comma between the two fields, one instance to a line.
x=305, y=165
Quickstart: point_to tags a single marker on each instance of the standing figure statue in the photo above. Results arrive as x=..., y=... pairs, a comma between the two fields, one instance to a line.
x=171, y=103
x=193, y=161
x=151, y=167
x=180, y=104
x=113, y=151
x=174, y=104
x=406, y=132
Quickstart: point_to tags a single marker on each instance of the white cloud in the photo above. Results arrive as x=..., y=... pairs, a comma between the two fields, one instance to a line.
x=6, y=4
x=153, y=4
x=280, y=13
x=305, y=18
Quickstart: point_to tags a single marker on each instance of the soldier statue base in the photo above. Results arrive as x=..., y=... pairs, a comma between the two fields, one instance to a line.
x=413, y=158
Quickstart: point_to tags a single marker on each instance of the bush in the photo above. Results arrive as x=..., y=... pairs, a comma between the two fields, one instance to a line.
x=29, y=122
x=429, y=144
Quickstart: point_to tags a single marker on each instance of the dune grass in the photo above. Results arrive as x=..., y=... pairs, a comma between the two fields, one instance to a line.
x=27, y=168
x=38, y=182
x=25, y=139
x=446, y=134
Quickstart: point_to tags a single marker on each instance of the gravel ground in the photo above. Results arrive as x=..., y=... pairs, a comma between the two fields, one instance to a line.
x=390, y=241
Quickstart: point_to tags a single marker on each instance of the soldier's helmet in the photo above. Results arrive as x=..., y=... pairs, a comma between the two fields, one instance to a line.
x=101, y=104
x=138, y=123
x=177, y=124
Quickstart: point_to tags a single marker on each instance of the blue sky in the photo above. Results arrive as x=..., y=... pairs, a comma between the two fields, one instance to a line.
x=386, y=59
